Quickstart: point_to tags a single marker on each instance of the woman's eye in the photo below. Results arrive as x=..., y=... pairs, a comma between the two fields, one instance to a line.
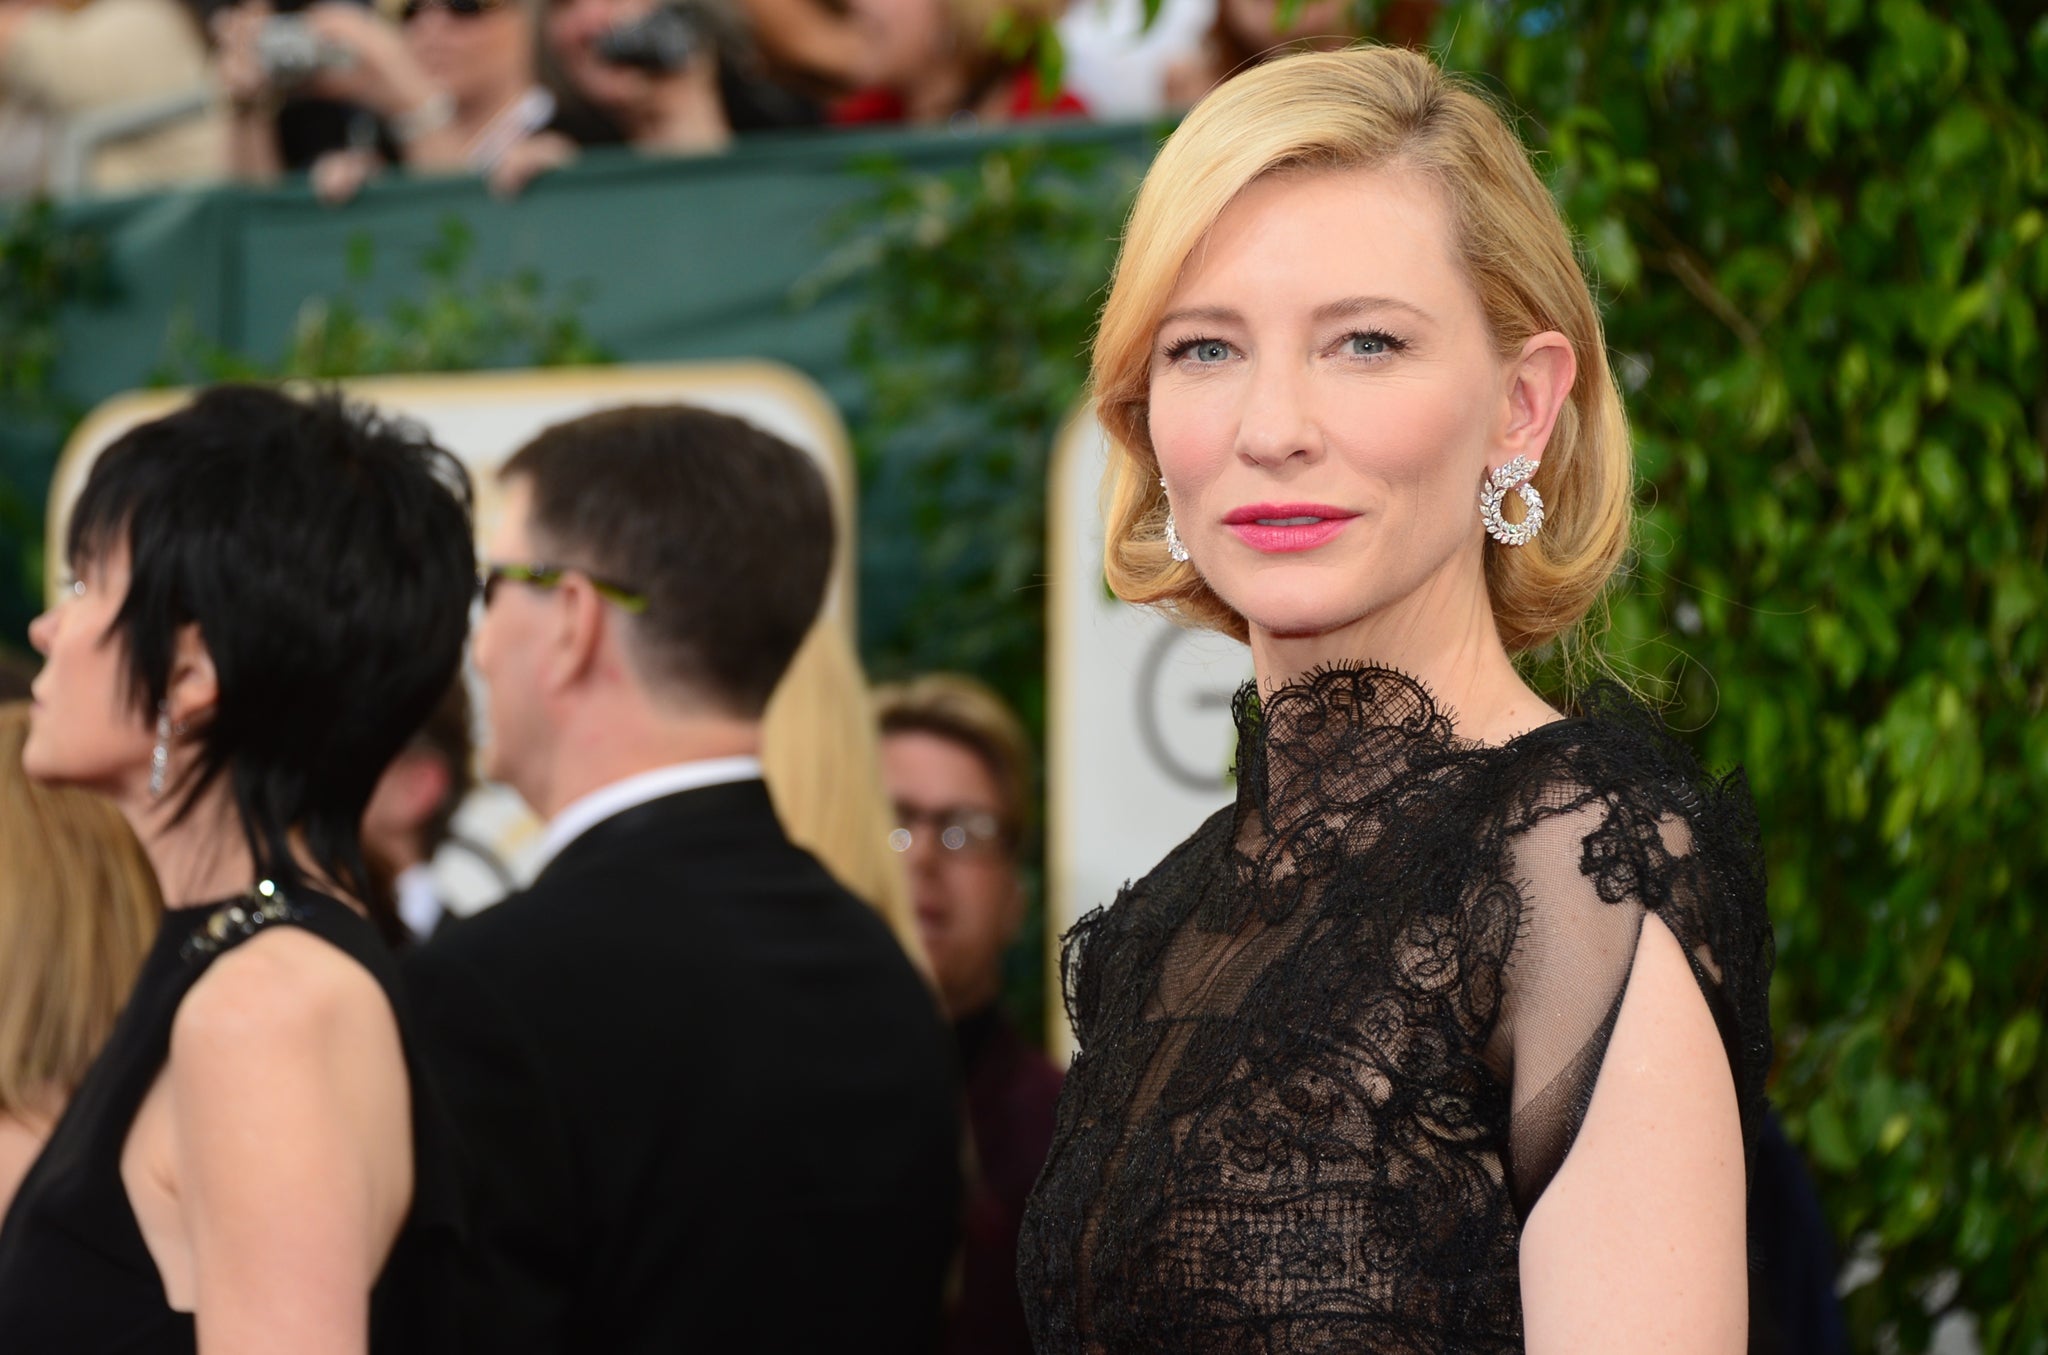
x=1208, y=352
x=1368, y=345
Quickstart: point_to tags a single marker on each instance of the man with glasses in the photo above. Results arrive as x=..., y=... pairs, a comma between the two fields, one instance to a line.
x=709, y=1102
x=957, y=765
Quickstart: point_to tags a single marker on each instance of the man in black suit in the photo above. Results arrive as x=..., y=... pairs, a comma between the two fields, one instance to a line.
x=709, y=1103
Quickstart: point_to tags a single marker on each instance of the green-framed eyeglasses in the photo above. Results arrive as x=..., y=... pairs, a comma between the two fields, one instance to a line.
x=541, y=575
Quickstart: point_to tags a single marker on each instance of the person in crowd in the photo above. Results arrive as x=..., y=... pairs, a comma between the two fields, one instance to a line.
x=666, y=77
x=270, y=595
x=411, y=814
x=958, y=767
x=452, y=83
x=1247, y=32
x=708, y=1101
x=64, y=65
x=946, y=61
x=822, y=764
x=78, y=908
x=1459, y=1012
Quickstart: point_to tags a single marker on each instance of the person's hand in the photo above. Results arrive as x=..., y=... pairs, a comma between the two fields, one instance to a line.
x=235, y=62
x=380, y=72
x=529, y=159
x=339, y=175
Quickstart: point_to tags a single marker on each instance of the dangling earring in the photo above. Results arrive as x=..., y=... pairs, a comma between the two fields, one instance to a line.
x=1514, y=475
x=1174, y=547
x=160, y=756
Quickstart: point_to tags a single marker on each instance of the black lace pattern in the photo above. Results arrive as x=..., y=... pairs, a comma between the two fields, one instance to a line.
x=1334, y=1047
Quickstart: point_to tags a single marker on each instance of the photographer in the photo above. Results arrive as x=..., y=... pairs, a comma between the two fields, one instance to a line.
x=451, y=86
x=651, y=68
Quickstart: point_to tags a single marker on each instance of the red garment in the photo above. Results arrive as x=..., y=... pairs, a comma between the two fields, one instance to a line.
x=1026, y=100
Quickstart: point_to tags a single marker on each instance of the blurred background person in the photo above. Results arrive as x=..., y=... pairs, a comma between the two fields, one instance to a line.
x=1116, y=61
x=821, y=759
x=411, y=814
x=63, y=64
x=78, y=908
x=1247, y=32
x=958, y=767
x=751, y=1132
x=451, y=85
x=937, y=61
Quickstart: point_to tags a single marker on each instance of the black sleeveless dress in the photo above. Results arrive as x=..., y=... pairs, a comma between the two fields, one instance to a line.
x=76, y=1277
x=1335, y=1046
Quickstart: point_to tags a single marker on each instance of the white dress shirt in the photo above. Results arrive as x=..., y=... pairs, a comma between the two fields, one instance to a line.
x=580, y=816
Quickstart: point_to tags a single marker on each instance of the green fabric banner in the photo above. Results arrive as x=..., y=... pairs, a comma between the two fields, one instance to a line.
x=664, y=258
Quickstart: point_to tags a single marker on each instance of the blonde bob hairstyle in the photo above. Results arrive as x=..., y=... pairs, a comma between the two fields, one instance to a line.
x=1372, y=108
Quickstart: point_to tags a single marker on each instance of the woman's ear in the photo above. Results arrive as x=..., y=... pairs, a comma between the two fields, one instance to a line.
x=1539, y=382
x=194, y=687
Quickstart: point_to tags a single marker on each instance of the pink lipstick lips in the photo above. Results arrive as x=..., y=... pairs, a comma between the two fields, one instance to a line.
x=1282, y=528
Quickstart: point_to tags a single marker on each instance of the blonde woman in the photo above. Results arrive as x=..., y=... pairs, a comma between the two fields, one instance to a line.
x=821, y=758
x=78, y=907
x=1457, y=1017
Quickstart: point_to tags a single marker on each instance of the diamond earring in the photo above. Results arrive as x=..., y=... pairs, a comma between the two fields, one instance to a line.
x=1514, y=475
x=1174, y=546
x=160, y=756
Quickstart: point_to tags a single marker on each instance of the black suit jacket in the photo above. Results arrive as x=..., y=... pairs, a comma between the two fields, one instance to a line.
x=708, y=1104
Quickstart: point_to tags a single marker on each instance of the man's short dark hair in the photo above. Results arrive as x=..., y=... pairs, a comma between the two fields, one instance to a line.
x=326, y=555
x=724, y=529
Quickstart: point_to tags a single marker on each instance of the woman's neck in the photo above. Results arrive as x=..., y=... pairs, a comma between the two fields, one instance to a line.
x=199, y=858
x=1448, y=643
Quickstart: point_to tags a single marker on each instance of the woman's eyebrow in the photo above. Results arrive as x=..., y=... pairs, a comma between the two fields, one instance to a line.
x=1360, y=305
x=1213, y=315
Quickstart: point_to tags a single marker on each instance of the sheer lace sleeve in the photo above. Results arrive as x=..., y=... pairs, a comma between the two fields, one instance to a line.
x=1627, y=828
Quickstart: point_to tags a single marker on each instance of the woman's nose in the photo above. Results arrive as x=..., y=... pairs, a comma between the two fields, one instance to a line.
x=1276, y=423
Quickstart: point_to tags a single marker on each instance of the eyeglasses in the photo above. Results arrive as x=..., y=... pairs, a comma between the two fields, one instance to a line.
x=960, y=828
x=546, y=576
x=460, y=9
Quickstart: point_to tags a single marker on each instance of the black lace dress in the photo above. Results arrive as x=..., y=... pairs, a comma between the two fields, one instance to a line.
x=1334, y=1047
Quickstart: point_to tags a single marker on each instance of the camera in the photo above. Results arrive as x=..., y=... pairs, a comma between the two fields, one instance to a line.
x=291, y=53
x=661, y=42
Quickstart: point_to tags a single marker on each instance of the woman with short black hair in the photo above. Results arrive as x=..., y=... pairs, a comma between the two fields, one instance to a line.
x=271, y=593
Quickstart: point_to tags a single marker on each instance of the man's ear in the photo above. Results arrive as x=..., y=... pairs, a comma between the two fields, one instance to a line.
x=194, y=686
x=1539, y=382
x=574, y=647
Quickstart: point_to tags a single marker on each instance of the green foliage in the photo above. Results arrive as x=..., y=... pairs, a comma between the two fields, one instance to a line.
x=457, y=323
x=979, y=287
x=1820, y=229
x=43, y=267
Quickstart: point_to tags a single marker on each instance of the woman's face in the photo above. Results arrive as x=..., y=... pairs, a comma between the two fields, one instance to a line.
x=84, y=729
x=473, y=56
x=572, y=29
x=1325, y=399
x=902, y=39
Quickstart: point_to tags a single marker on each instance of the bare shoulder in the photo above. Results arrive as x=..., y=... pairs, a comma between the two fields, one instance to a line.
x=282, y=993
